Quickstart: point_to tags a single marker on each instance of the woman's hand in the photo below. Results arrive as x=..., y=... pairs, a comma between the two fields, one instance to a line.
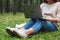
x=44, y=17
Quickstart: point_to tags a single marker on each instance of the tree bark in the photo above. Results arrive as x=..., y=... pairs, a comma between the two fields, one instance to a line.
x=7, y=6
x=41, y=1
x=19, y=8
x=1, y=6
x=30, y=1
x=15, y=7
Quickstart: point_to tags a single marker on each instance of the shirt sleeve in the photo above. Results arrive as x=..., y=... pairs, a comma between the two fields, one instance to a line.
x=41, y=6
x=58, y=13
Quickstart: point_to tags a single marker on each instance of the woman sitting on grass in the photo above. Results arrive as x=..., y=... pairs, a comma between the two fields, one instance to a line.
x=50, y=12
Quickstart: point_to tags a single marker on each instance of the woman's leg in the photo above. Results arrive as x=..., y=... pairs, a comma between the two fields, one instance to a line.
x=49, y=26
x=35, y=28
x=29, y=24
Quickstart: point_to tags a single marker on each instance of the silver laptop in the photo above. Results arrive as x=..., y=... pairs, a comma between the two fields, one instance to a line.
x=33, y=11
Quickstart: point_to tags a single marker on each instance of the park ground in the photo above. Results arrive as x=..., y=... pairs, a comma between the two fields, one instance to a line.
x=8, y=19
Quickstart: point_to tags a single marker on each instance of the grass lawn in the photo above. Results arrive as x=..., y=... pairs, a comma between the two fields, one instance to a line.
x=11, y=20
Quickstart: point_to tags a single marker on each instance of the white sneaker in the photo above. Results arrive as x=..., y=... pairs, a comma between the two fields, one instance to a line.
x=20, y=33
x=10, y=31
x=20, y=25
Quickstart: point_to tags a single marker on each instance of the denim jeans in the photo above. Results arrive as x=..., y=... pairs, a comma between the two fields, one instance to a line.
x=40, y=24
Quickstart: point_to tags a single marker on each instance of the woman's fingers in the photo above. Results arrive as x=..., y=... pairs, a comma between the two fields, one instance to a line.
x=44, y=17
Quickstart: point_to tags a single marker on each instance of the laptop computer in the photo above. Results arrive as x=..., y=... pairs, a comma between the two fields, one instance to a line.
x=33, y=11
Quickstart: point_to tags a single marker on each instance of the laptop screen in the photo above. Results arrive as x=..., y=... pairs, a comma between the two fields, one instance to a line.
x=32, y=11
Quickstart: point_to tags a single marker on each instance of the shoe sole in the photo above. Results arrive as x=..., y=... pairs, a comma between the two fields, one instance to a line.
x=10, y=32
x=16, y=34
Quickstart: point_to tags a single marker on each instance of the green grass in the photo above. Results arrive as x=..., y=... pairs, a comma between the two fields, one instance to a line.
x=11, y=20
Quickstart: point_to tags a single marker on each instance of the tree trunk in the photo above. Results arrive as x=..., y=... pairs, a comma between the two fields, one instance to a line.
x=25, y=1
x=15, y=7
x=19, y=8
x=1, y=6
x=41, y=1
x=30, y=1
x=7, y=6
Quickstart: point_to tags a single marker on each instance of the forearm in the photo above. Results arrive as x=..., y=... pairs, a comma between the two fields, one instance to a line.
x=53, y=20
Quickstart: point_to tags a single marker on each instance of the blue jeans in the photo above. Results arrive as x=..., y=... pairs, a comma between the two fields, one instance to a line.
x=40, y=24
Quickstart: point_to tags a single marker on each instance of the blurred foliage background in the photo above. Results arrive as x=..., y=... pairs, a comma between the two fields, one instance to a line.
x=15, y=5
